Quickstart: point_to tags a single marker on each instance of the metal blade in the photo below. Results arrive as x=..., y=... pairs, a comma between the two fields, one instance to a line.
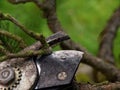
x=57, y=38
x=58, y=68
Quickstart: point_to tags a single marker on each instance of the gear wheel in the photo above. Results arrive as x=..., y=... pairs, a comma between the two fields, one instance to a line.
x=16, y=80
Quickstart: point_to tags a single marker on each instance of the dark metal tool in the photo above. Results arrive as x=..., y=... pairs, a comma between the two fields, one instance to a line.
x=57, y=69
x=47, y=72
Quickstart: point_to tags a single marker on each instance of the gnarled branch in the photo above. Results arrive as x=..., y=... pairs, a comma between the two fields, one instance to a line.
x=109, y=70
x=107, y=37
x=49, y=9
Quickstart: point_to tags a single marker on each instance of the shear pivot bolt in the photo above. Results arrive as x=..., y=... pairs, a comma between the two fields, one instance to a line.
x=6, y=75
x=62, y=75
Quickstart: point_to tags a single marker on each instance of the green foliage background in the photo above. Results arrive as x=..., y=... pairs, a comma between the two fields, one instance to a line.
x=83, y=20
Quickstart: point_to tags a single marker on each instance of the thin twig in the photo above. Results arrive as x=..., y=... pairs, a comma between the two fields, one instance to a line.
x=24, y=54
x=3, y=50
x=36, y=36
x=14, y=37
x=109, y=70
x=8, y=17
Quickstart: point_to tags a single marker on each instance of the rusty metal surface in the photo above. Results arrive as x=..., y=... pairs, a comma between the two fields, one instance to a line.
x=58, y=68
x=28, y=75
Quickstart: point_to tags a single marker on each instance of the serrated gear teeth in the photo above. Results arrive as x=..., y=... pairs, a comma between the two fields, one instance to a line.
x=13, y=84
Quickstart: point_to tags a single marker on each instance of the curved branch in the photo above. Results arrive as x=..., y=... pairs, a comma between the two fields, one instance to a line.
x=107, y=37
x=8, y=17
x=109, y=70
x=49, y=9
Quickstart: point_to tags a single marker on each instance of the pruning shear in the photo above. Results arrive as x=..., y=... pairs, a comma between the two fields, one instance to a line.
x=54, y=71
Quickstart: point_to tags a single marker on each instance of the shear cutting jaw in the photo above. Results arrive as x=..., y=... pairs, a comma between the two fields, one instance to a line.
x=48, y=72
x=58, y=68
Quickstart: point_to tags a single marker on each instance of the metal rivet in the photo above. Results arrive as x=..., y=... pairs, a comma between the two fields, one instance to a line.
x=6, y=75
x=62, y=75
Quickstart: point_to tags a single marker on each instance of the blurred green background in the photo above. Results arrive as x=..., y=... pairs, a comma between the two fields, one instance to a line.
x=83, y=20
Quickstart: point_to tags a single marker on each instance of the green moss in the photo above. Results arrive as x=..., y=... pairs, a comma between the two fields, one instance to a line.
x=83, y=78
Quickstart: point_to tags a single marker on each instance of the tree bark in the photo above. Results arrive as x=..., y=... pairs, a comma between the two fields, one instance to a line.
x=107, y=37
x=106, y=45
x=113, y=74
x=107, y=69
x=101, y=86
